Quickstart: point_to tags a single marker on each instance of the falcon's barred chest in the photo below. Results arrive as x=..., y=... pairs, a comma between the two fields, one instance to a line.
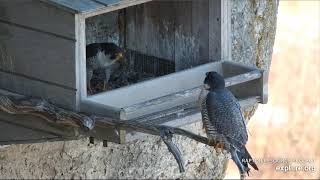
x=209, y=128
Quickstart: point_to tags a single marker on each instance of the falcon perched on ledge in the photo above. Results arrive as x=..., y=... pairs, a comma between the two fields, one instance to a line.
x=102, y=56
x=224, y=122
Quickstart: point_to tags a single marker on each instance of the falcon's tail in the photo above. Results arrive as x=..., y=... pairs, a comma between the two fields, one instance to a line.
x=246, y=159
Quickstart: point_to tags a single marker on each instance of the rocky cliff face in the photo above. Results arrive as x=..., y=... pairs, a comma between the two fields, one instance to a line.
x=253, y=27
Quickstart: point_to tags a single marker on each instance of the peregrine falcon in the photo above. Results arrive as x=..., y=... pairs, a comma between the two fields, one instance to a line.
x=224, y=122
x=102, y=56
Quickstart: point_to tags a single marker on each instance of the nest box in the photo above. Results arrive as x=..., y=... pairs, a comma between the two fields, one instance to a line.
x=174, y=43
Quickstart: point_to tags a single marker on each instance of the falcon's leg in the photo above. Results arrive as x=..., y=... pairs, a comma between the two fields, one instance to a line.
x=204, y=128
x=212, y=142
x=106, y=80
x=105, y=86
x=89, y=77
x=219, y=147
x=239, y=164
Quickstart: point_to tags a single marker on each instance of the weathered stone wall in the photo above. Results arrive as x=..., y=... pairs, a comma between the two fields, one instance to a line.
x=253, y=26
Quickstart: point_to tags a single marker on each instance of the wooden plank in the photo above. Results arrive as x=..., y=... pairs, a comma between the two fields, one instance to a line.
x=232, y=69
x=37, y=55
x=226, y=44
x=9, y=93
x=78, y=5
x=105, y=133
x=150, y=29
x=215, y=30
x=247, y=89
x=108, y=2
x=159, y=30
x=15, y=134
x=245, y=77
x=161, y=103
x=102, y=28
x=39, y=125
x=182, y=97
x=113, y=7
x=184, y=43
x=173, y=30
x=131, y=28
x=81, y=70
x=91, y=8
x=58, y=95
x=38, y=15
x=250, y=88
x=96, y=108
x=192, y=34
x=200, y=30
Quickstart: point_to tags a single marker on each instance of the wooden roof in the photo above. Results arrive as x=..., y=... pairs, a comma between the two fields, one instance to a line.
x=89, y=6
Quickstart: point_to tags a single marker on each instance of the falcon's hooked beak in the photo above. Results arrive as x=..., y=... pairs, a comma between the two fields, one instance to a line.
x=119, y=56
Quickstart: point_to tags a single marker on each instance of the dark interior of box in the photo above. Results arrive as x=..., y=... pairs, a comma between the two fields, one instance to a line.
x=160, y=38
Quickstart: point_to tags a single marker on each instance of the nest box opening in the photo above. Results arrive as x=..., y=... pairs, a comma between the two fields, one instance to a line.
x=168, y=47
x=158, y=38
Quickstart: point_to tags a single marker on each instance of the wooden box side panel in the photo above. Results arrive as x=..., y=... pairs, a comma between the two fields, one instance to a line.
x=251, y=88
x=38, y=64
x=15, y=134
x=57, y=95
x=37, y=41
x=37, y=55
x=39, y=16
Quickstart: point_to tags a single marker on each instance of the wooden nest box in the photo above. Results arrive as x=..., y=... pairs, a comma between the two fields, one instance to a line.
x=173, y=43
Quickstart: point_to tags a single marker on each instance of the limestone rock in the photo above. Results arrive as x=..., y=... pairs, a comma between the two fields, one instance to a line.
x=253, y=25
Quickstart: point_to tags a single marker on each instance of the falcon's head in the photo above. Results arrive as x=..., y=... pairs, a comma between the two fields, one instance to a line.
x=114, y=51
x=213, y=81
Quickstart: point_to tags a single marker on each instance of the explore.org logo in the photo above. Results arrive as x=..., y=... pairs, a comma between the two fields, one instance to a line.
x=295, y=168
x=283, y=164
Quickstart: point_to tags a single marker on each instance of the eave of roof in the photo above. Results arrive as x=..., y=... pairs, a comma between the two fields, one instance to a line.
x=93, y=7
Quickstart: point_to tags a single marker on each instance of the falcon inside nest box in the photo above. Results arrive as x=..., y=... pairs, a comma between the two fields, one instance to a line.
x=139, y=60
